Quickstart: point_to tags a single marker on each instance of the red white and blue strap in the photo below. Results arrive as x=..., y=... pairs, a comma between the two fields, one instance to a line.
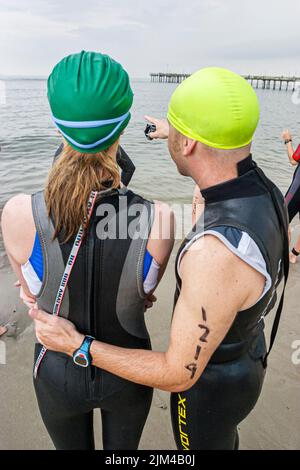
x=67, y=272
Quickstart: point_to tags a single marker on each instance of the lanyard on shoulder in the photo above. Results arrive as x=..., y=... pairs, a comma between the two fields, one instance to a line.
x=67, y=272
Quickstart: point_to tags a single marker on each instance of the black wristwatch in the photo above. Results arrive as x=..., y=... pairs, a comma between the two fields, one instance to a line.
x=82, y=356
x=287, y=141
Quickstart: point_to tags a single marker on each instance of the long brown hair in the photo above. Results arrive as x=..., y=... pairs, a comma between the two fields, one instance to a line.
x=72, y=178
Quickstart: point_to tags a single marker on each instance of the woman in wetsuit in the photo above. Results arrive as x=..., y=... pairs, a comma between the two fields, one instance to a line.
x=90, y=251
x=292, y=196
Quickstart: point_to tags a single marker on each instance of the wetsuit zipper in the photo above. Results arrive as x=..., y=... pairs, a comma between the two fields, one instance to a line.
x=93, y=306
x=97, y=297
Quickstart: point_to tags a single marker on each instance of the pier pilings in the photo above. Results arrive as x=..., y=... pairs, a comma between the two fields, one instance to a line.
x=265, y=82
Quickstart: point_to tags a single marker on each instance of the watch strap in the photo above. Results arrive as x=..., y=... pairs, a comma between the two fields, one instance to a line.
x=86, y=344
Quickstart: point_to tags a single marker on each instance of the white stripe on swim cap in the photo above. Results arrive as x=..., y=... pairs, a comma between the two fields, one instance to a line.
x=89, y=124
x=89, y=146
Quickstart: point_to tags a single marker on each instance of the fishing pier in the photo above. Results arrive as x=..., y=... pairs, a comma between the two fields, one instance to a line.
x=169, y=77
x=265, y=82
x=273, y=83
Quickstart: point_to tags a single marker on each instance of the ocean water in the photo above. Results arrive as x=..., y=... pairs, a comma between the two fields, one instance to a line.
x=28, y=141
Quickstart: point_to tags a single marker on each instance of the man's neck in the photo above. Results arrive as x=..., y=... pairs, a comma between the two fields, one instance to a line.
x=212, y=174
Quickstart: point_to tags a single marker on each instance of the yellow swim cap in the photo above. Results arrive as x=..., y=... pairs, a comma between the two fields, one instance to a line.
x=216, y=107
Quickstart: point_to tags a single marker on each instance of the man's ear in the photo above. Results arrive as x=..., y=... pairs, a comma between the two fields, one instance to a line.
x=188, y=146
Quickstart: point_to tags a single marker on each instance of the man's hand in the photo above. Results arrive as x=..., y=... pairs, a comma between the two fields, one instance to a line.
x=286, y=135
x=56, y=333
x=162, y=128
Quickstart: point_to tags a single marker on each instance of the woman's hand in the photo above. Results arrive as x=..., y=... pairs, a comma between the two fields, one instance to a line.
x=29, y=301
x=150, y=300
x=3, y=330
x=286, y=135
x=162, y=128
x=56, y=333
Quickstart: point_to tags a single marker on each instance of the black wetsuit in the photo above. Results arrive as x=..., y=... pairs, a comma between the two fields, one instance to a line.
x=206, y=416
x=105, y=299
x=127, y=166
x=292, y=196
x=67, y=396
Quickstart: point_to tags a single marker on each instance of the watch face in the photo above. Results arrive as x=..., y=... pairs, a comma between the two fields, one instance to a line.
x=81, y=360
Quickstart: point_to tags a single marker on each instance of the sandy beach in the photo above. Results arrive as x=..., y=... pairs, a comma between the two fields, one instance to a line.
x=274, y=424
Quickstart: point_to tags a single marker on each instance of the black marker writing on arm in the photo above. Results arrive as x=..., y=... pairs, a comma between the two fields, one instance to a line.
x=203, y=339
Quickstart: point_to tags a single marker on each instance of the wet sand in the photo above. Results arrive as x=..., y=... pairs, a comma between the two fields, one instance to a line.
x=274, y=424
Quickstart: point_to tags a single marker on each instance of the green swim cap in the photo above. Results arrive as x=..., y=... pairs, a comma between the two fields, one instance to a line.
x=216, y=107
x=90, y=98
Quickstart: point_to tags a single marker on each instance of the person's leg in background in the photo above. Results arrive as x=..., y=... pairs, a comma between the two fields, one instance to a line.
x=295, y=252
x=293, y=204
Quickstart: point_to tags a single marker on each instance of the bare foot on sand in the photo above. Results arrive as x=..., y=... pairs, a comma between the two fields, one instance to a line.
x=2, y=330
x=293, y=258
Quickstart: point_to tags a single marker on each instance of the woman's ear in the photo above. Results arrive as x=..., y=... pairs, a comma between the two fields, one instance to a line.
x=188, y=146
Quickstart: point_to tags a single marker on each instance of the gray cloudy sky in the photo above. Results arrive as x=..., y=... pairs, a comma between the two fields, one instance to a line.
x=258, y=36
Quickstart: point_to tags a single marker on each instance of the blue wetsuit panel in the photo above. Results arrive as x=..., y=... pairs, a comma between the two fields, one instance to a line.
x=36, y=260
x=147, y=263
x=233, y=235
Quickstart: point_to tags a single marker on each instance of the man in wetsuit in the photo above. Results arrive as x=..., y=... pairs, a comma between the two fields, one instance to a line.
x=227, y=270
